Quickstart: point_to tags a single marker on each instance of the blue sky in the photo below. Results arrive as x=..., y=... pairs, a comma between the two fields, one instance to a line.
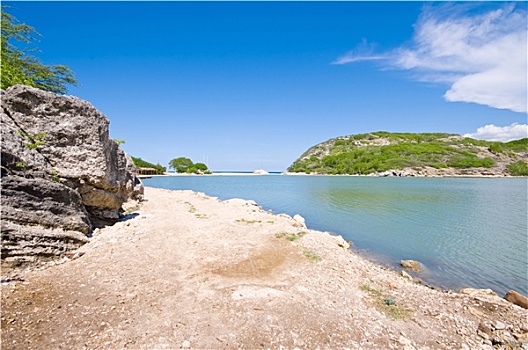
x=248, y=85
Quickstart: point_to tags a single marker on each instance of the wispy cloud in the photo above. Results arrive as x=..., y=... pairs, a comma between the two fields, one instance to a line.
x=500, y=133
x=363, y=52
x=481, y=54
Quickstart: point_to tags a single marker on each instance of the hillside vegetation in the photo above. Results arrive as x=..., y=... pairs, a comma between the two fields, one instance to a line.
x=404, y=154
x=140, y=163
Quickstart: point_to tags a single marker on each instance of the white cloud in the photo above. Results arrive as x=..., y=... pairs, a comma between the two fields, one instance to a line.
x=363, y=52
x=350, y=57
x=482, y=55
x=500, y=133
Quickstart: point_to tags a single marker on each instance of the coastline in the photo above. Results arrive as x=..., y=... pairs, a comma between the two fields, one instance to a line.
x=333, y=175
x=417, y=212
x=188, y=270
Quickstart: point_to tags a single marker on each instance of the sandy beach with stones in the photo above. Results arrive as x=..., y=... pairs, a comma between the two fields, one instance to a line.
x=185, y=270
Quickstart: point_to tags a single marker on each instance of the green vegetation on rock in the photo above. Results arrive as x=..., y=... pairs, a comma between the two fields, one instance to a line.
x=140, y=163
x=378, y=152
x=36, y=140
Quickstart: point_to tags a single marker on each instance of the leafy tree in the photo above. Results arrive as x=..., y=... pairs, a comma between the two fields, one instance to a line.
x=181, y=164
x=198, y=168
x=201, y=166
x=19, y=68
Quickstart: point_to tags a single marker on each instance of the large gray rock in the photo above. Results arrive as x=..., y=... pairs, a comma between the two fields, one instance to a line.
x=43, y=202
x=60, y=169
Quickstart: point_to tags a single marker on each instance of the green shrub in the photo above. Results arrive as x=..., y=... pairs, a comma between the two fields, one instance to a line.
x=517, y=145
x=519, y=168
x=470, y=161
x=496, y=148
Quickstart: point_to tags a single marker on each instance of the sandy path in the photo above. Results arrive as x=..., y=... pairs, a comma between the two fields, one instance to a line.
x=189, y=271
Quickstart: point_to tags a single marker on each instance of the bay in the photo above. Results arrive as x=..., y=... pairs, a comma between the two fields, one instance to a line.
x=467, y=232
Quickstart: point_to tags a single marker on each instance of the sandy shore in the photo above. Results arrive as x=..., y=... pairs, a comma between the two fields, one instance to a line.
x=189, y=271
x=212, y=174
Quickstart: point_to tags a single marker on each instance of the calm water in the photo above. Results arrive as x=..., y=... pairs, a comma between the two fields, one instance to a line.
x=467, y=232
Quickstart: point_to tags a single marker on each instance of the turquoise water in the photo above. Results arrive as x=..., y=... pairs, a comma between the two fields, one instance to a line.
x=468, y=232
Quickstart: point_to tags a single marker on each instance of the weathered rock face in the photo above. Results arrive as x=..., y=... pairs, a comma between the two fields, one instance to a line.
x=60, y=172
x=43, y=202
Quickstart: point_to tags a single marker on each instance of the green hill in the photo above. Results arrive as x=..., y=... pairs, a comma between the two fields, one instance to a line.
x=140, y=163
x=405, y=154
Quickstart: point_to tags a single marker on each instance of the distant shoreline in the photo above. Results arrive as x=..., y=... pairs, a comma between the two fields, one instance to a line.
x=335, y=175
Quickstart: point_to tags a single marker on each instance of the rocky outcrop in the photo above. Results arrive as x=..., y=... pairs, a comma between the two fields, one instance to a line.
x=411, y=265
x=443, y=172
x=478, y=292
x=517, y=299
x=62, y=175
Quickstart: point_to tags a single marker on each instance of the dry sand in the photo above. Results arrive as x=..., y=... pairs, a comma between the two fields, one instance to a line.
x=190, y=271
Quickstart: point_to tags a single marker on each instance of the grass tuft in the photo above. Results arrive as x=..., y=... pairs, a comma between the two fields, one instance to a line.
x=132, y=209
x=249, y=221
x=290, y=236
x=312, y=256
x=385, y=304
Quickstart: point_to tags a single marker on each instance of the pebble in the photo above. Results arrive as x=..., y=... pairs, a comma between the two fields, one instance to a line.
x=484, y=328
x=483, y=335
x=406, y=275
x=464, y=346
x=404, y=341
x=499, y=325
x=186, y=345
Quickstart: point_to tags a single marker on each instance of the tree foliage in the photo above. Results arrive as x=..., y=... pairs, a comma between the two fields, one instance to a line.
x=197, y=168
x=185, y=165
x=180, y=164
x=20, y=68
